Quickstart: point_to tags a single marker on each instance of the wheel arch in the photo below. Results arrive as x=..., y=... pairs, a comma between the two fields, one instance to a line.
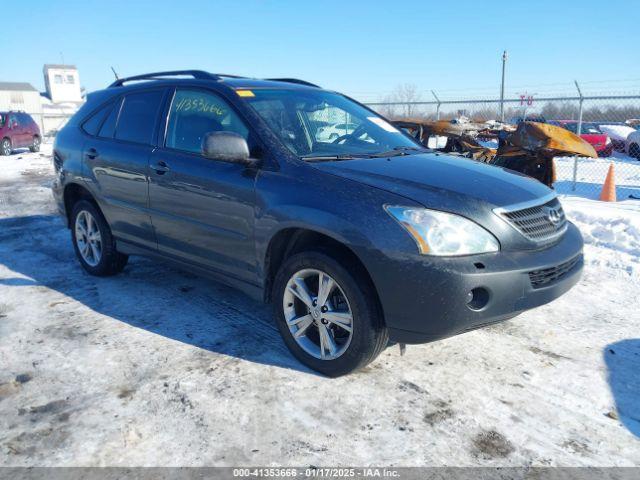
x=73, y=192
x=291, y=240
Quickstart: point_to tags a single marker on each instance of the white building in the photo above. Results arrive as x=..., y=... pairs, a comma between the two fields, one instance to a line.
x=62, y=83
x=20, y=96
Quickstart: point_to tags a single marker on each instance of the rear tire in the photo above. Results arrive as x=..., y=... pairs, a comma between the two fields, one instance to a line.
x=35, y=146
x=634, y=151
x=352, y=297
x=93, y=242
x=5, y=147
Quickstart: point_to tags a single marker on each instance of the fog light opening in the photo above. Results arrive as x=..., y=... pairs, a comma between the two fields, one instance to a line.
x=477, y=298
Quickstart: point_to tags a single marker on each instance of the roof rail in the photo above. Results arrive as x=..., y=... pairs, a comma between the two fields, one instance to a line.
x=293, y=80
x=197, y=74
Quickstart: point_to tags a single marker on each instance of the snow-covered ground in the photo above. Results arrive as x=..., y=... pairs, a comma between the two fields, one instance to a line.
x=160, y=367
x=591, y=173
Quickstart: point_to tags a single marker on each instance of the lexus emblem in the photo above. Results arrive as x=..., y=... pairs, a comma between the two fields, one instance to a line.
x=553, y=215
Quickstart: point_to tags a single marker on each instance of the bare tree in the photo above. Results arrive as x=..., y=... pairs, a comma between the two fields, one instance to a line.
x=403, y=94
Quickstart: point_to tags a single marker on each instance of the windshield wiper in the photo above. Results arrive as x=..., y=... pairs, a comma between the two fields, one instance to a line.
x=322, y=158
x=391, y=153
x=399, y=151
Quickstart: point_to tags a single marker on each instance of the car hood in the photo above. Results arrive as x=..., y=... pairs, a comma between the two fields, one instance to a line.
x=441, y=181
x=593, y=138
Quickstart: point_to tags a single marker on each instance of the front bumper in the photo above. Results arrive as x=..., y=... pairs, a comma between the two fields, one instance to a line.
x=427, y=298
x=604, y=150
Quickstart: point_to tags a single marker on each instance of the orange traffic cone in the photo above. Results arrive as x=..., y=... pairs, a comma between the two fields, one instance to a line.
x=608, y=193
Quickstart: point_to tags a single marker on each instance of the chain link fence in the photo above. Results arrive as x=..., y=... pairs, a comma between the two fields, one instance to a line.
x=611, y=123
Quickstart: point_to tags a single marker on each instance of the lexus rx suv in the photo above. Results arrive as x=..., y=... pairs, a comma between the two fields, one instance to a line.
x=18, y=130
x=358, y=241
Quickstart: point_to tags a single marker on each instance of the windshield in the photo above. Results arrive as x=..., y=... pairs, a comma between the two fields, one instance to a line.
x=587, y=128
x=315, y=124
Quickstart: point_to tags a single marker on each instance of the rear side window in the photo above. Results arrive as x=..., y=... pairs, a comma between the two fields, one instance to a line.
x=109, y=126
x=138, y=117
x=24, y=119
x=93, y=124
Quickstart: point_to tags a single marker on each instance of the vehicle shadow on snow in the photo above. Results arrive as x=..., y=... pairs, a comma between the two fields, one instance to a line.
x=623, y=363
x=147, y=295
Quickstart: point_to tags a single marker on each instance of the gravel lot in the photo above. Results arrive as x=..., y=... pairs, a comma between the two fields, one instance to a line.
x=160, y=367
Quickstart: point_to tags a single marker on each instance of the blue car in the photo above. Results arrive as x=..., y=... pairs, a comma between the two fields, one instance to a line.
x=359, y=240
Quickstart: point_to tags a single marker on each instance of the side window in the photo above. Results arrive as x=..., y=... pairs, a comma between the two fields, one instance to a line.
x=92, y=125
x=13, y=121
x=109, y=126
x=138, y=116
x=195, y=113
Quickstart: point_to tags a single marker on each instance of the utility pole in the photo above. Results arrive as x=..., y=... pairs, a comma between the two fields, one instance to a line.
x=504, y=61
x=578, y=132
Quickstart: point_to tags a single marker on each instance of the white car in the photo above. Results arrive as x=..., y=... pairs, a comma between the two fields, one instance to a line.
x=632, y=147
x=618, y=134
x=332, y=132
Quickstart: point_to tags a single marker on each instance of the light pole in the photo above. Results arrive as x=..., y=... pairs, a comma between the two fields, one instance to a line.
x=504, y=61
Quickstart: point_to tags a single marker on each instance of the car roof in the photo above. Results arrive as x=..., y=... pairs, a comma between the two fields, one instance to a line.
x=197, y=76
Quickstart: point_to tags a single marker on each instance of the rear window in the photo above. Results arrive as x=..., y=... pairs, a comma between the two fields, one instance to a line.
x=25, y=119
x=138, y=117
x=93, y=124
x=109, y=126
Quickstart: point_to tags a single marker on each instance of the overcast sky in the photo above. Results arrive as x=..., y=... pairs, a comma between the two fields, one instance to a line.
x=363, y=48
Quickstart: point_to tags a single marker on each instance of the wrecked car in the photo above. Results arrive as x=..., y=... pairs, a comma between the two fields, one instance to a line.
x=528, y=148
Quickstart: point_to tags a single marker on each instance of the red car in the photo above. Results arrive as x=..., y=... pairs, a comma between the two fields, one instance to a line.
x=18, y=130
x=591, y=133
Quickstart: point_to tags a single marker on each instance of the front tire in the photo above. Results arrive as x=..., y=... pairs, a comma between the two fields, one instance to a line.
x=327, y=313
x=634, y=151
x=93, y=242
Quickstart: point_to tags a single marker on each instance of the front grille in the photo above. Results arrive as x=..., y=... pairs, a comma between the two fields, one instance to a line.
x=541, y=278
x=541, y=223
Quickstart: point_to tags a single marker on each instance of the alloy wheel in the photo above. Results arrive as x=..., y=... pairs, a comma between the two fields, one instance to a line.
x=88, y=238
x=318, y=314
x=6, y=147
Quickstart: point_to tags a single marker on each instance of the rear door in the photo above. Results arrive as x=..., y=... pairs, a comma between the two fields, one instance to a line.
x=16, y=131
x=117, y=160
x=202, y=209
x=28, y=128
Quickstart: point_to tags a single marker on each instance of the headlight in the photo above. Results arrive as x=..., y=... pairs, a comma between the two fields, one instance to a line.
x=608, y=141
x=440, y=233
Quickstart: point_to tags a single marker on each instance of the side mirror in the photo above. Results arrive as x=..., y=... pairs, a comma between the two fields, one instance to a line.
x=226, y=146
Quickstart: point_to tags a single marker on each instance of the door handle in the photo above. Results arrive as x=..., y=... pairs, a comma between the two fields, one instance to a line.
x=160, y=168
x=92, y=153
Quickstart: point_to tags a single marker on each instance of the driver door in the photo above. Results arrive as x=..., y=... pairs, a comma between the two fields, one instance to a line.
x=202, y=209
